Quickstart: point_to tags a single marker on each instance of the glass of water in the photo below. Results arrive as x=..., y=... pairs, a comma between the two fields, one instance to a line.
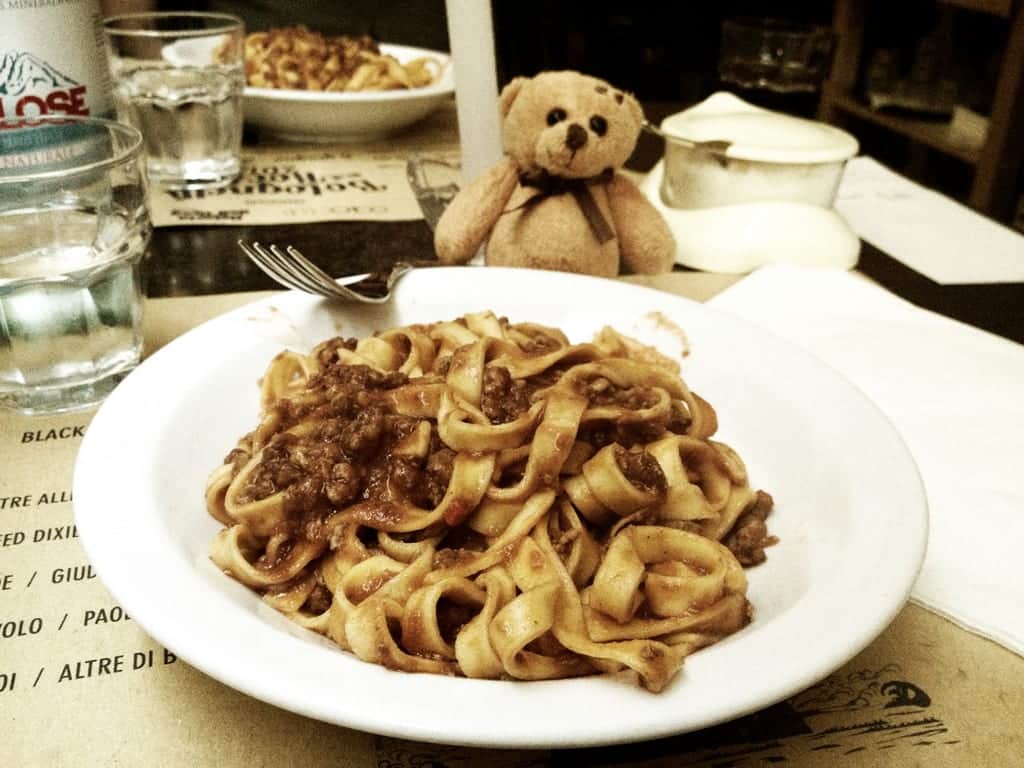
x=73, y=229
x=178, y=78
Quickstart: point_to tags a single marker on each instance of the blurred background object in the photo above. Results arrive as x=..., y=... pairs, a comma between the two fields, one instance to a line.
x=935, y=90
x=420, y=23
x=775, y=55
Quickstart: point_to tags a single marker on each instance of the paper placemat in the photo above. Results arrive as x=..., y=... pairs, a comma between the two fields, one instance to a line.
x=82, y=684
x=285, y=184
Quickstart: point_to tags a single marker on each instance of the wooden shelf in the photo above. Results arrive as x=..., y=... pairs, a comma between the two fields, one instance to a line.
x=931, y=133
x=1002, y=8
x=998, y=162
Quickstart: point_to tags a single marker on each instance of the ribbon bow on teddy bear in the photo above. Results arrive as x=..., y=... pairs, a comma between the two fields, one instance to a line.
x=557, y=200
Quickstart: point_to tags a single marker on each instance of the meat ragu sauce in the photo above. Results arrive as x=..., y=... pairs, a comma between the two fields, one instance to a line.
x=749, y=536
x=348, y=457
x=641, y=469
x=503, y=398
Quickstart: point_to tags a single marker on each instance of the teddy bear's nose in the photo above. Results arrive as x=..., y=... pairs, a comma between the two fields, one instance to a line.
x=576, y=137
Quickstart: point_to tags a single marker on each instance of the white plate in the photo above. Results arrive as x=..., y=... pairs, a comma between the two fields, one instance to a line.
x=358, y=116
x=850, y=512
x=323, y=117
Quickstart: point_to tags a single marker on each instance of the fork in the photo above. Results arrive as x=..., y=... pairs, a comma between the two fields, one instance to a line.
x=293, y=270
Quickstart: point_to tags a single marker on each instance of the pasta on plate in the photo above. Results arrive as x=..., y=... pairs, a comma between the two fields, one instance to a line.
x=483, y=498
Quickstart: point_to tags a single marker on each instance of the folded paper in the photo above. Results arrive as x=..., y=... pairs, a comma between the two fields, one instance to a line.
x=954, y=394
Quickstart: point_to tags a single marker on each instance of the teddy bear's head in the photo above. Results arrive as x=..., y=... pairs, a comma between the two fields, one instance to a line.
x=568, y=124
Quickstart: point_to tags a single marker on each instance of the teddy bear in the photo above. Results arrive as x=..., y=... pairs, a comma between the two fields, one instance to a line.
x=558, y=199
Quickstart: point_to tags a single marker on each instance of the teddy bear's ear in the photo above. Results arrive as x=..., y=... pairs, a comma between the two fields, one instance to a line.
x=509, y=93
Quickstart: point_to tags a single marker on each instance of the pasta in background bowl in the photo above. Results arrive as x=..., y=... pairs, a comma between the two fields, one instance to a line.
x=849, y=514
x=297, y=58
x=339, y=116
x=323, y=116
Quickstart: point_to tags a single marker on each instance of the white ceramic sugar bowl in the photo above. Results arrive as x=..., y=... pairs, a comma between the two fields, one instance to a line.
x=741, y=186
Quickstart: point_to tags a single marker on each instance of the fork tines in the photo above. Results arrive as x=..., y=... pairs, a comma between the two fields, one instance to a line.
x=286, y=270
x=291, y=269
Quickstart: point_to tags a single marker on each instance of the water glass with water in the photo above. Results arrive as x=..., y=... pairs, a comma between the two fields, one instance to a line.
x=178, y=78
x=73, y=230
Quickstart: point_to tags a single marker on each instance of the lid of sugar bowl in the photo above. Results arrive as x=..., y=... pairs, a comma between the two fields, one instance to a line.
x=748, y=132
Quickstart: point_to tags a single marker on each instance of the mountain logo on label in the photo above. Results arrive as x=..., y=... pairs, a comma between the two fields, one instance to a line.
x=21, y=71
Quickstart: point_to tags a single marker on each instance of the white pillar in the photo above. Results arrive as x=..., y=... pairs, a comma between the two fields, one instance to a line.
x=471, y=34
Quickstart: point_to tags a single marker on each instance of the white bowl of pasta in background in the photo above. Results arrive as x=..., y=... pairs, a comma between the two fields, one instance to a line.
x=850, y=514
x=322, y=116
x=335, y=116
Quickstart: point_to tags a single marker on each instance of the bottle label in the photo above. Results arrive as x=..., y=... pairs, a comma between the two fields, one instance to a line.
x=53, y=59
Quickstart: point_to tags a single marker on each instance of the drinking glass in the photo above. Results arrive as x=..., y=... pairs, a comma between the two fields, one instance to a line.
x=73, y=229
x=178, y=78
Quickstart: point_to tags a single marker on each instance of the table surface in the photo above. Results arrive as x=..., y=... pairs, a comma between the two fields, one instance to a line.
x=960, y=695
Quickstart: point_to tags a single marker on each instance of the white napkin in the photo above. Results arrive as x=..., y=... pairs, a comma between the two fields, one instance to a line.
x=926, y=230
x=956, y=394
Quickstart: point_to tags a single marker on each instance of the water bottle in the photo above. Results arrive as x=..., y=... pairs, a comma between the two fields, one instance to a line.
x=53, y=59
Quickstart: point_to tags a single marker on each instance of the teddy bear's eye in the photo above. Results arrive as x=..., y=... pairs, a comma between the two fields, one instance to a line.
x=599, y=125
x=556, y=116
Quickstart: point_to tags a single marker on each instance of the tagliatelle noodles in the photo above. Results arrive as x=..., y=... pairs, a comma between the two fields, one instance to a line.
x=482, y=498
x=297, y=58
